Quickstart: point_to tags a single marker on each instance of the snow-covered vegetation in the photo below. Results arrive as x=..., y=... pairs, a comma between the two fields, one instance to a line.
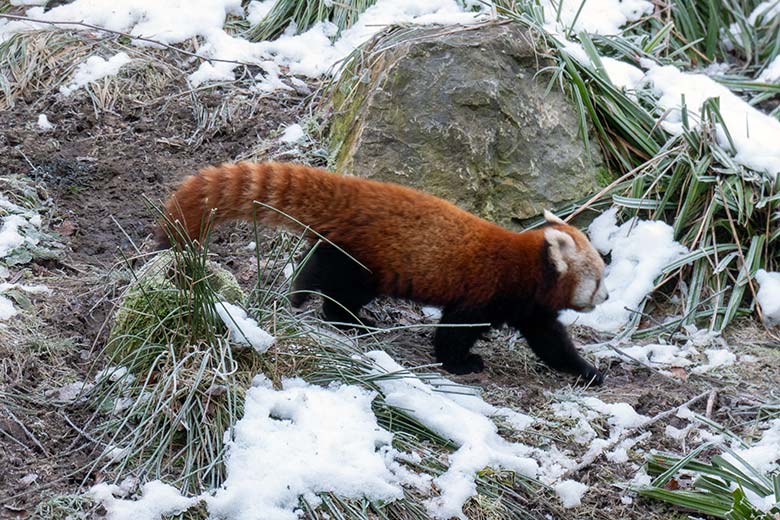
x=309, y=422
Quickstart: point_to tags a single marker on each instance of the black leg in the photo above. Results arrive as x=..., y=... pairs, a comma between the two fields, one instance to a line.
x=346, y=285
x=452, y=344
x=307, y=280
x=550, y=340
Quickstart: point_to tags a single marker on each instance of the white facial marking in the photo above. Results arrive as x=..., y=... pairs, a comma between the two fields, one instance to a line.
x=590, y=289
x=602, y=294
x=583, y=294
x=561, y=247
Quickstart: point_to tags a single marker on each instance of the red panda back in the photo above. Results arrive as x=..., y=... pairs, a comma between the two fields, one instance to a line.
x=407, y=239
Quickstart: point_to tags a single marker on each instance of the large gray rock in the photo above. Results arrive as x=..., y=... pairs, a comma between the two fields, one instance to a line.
x=462, y=113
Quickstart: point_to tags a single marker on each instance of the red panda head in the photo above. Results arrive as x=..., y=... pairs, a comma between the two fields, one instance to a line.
x=578, y=265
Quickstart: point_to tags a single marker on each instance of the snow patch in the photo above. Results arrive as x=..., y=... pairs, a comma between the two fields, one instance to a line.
x=43, y=123
x=157, y=500
x=769, y=296
x=755, y=135
x=570, y=492
x=771, y=73
x=294, y=442
x=593, y=16
x=7, y=309
x=640, y=251
x=292, y=134
x=716, y=358
x=257, y=10
x=479, y=444
x=763, y=455
x=312, y=53
x=93, y=69
x=73, y=391
x=242, y=328
x=431, y=313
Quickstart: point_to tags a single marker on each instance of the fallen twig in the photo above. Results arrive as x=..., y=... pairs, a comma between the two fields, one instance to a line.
x=27, y=432
x=711, y=403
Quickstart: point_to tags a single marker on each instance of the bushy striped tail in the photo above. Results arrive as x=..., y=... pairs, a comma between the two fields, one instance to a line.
x=245, y=191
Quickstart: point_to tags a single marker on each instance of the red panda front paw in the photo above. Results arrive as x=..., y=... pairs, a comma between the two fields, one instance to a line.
x=471, y=364
x=590, y=375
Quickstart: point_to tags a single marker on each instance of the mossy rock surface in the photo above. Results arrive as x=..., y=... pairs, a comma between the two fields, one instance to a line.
x=464, y=114
x=154, y=311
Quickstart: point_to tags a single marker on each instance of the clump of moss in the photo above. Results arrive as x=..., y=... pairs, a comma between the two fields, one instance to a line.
x=165, y=306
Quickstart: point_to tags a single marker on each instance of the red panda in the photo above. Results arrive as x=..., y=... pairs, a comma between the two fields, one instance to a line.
x=386, y=239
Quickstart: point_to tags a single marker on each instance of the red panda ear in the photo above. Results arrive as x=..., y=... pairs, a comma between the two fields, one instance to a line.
x=561, y=247
x=551, y=218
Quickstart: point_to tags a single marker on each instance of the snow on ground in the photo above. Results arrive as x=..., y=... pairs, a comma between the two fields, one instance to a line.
x=294, y=442
x=594, y=16
x=20, y=230
x=71, y=392
x=763, y=13
x=256, y=10
x=570, y=492
x=683, y=354
x=764, y=455
x=621, y=417
x=462, y=417
x=469, y=398
x=479, y=444
x=640, y=251
x=771, y=73
x=43, y=123
x=755, y=135
x=7, y=309
x=311, y=53
x=292, y=134
x=769, y=296
x=157, y=499
x=431, y=313
x=93, y=69
x=242, y=328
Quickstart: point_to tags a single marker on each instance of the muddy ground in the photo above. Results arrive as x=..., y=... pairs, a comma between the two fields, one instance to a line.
x=97, y=165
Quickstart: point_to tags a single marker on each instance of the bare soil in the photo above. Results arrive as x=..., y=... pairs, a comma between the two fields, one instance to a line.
x=99, y=168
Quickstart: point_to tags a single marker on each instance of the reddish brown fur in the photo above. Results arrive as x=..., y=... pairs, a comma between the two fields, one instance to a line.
x=415, y=246
x=405, y=237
